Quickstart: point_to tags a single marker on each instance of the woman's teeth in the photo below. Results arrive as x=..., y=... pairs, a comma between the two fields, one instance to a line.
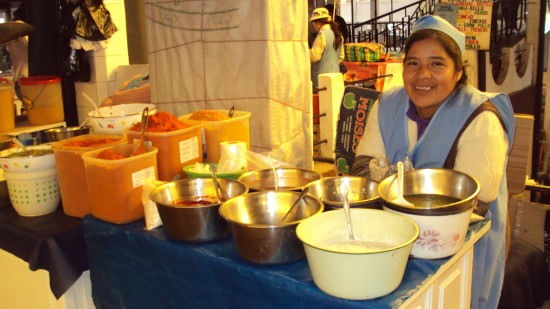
x=423, y=88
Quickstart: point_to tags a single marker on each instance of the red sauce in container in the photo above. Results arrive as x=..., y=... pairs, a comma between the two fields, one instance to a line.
x=197, y=201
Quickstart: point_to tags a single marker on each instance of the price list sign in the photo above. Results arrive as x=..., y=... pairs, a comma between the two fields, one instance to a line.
x=474, y=20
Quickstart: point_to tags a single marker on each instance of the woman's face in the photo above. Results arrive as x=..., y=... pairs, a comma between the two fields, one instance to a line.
x=429, y=75
x=317, y=25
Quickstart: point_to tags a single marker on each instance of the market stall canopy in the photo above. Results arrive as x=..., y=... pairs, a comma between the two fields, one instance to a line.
x=12, y=30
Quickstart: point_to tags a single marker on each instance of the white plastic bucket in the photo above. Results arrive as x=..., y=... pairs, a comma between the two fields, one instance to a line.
x=34, y=194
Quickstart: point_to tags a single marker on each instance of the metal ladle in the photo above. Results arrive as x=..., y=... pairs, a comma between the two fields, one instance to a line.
x=344, y=190
x=304, y=192
x=220, y=193
x=400, y=199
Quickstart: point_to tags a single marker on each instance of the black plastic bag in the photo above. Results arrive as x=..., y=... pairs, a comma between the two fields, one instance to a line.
x=94, y=22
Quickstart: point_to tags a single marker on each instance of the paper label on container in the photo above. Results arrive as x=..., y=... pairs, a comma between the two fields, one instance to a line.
x=138, y=178
x=189, y=149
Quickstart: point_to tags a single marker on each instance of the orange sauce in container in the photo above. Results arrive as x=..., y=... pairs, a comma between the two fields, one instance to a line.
x=178, y=144
x=71, y=173
x=115, y=186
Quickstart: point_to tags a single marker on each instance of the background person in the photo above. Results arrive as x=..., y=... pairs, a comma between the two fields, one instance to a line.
x=327, y=51
x=340, y=21
x=439, y=121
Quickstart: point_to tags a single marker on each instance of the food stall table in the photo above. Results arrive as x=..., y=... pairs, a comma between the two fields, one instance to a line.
x=131, y=267
x=43, y=262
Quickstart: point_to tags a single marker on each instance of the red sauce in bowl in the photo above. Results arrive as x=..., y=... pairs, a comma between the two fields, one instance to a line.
x=197, y=201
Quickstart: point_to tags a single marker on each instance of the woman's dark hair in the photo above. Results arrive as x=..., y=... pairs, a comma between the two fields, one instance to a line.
x=338, y=40
x=449, y=45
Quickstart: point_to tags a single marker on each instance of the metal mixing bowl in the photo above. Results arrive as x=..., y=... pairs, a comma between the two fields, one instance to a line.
x=198, y=223
x=58, y=134
x=363, y=192
x=255, y=223
x=285, y=178
x=438, y=191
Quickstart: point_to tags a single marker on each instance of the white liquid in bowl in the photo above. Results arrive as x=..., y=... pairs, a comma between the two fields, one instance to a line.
x=358, y=246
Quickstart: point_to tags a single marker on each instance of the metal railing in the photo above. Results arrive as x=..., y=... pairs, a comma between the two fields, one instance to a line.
x=392, y=33
x=508, y=25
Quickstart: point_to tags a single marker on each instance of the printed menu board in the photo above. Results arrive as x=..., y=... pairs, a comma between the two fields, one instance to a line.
x=474, y=20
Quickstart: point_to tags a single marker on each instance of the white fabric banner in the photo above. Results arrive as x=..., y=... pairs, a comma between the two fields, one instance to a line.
x=215, y=54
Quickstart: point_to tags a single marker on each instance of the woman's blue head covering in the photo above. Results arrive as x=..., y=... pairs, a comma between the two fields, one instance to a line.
x=437, y=23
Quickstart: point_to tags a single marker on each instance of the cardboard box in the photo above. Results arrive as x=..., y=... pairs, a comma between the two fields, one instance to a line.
x=519, y=160
x=354, y=110
x=527, y=220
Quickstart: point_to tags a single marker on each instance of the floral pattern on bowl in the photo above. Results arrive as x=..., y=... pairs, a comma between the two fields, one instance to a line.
x=27, y=164
x=114, y=119
x=433, y=240
x=440, y=236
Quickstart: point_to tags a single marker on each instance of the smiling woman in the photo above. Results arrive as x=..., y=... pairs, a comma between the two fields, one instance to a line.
x=436, y=120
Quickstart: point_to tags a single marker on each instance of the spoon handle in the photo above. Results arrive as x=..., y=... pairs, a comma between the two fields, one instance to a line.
x=348, y=214
x=400, y=171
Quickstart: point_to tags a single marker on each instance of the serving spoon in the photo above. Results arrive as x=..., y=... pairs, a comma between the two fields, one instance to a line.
x=141, y=147
x=400, y=199
x=220, y=193
x=344, y=190
x=304, y=192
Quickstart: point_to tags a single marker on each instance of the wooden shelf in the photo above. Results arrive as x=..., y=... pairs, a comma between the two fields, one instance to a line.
x=24, y=127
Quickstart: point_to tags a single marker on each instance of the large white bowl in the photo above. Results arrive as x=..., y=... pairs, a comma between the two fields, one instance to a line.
x=440, y=236
x=114, y=119
x=372, y=269
x=27, y=163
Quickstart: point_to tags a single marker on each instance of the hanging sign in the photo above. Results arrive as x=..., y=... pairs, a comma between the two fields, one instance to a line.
x=474, y=20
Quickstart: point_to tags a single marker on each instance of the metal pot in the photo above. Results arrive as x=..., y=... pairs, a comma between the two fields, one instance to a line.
x=255, y=223
x=285, y=178
x=363, y=192
x=58, y=134
x=197, y=223
x=436, y=191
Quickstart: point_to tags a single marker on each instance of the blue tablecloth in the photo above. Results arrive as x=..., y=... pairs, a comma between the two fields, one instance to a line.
x=134, y=268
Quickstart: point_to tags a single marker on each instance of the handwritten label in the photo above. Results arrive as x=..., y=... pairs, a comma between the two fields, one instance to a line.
x=189, y=149
x=138, y=178
x=474, y=20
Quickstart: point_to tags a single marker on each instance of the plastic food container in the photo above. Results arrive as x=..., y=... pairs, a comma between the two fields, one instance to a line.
x=236, y=128
x=115, y=186
x=71, y=171
x=7, y=108
x=176, y=149
x=42, y=99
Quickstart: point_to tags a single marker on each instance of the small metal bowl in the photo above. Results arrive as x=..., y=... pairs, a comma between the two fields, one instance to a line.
x=363, y=192
x=289, y=179
x=255, y=223
x=58, y=134
x=5, y=141
x=196, y=223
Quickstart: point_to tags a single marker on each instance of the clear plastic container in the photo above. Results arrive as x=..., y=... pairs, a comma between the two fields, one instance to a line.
x=236, y=128
x=177, y=149
x=115, y=186
x=42, y=99
x=7, y=108
x=71, y=171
